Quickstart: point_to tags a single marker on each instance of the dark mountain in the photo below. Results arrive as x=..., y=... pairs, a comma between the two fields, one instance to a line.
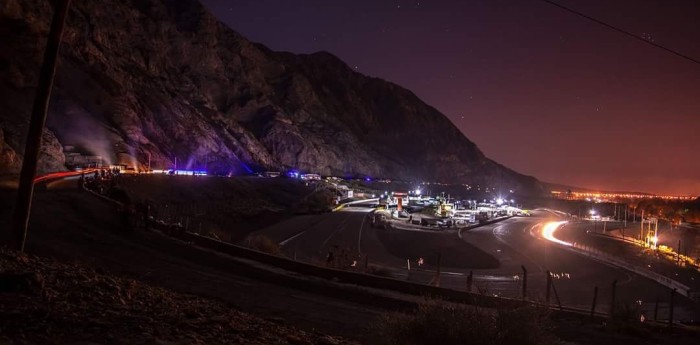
x=164, y=79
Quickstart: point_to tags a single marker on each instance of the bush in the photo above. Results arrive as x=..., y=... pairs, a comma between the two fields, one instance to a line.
x=436, y=322
x=264, y=244
x=379, y=271
x=626, y=320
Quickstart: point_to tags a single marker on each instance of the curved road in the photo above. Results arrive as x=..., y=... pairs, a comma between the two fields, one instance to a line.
x=514, y=242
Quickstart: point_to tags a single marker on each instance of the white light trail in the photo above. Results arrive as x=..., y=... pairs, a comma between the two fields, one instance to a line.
x=550, y=228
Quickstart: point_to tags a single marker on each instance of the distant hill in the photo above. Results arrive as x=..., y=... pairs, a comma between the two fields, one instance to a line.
x=165, y=80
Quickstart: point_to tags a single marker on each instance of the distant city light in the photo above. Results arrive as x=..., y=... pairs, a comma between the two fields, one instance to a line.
x=609, y=196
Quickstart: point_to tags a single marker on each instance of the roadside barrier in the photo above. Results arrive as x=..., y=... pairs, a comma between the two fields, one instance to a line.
x=350, y=277
x=614, y=261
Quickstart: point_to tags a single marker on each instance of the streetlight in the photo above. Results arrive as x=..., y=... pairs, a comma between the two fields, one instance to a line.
x=592, y=212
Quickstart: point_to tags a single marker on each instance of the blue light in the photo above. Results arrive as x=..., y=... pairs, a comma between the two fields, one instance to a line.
x=247, y=168
x=190, y=172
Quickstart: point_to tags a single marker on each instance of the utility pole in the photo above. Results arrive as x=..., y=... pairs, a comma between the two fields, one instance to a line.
x=641, y=230
x=25, y=191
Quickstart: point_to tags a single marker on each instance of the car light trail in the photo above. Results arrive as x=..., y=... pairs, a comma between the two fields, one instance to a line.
x=550, y=228
x=62, y=174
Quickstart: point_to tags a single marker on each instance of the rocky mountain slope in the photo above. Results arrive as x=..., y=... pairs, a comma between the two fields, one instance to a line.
x=165, y=80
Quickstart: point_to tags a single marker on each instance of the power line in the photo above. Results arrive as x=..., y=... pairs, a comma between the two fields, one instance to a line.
x=622, y=31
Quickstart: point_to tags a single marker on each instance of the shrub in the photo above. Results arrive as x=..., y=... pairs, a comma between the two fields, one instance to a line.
x=436, y=322
x=626, y=320
x=379, y=271
x=264, y=244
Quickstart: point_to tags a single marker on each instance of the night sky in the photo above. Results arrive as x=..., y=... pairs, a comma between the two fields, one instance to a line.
x=539, y=89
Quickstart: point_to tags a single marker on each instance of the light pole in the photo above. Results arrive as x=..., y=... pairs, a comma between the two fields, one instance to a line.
x=25, y=190
x=592, y=212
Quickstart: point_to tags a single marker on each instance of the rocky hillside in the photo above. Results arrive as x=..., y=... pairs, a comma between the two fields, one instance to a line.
x=165, y=79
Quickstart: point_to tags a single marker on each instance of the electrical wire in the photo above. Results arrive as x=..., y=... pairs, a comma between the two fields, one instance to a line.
x=622, y=31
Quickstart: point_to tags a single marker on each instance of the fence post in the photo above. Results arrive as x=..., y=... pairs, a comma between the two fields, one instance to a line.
x=595, y=299
x=470, y=278
x=437, y=273
x=656, y=309
x=524, y=281
x=670, y=310
x=549, y=287
x=556, y=295
x=612, y=300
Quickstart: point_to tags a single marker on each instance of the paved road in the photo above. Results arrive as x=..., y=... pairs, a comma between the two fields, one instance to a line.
x=311, y=237
x=510, y=241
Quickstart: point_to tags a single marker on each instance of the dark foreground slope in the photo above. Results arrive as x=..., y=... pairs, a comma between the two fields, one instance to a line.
x=164, y=79
x=56, y=303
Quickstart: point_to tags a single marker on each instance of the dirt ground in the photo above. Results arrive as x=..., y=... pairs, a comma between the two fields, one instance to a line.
x=47, y=302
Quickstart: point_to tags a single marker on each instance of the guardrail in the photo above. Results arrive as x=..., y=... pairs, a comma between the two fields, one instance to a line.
x=363, y=279
x=612, y=260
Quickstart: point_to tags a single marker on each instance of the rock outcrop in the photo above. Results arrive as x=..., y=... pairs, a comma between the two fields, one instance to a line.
x=162, y=80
